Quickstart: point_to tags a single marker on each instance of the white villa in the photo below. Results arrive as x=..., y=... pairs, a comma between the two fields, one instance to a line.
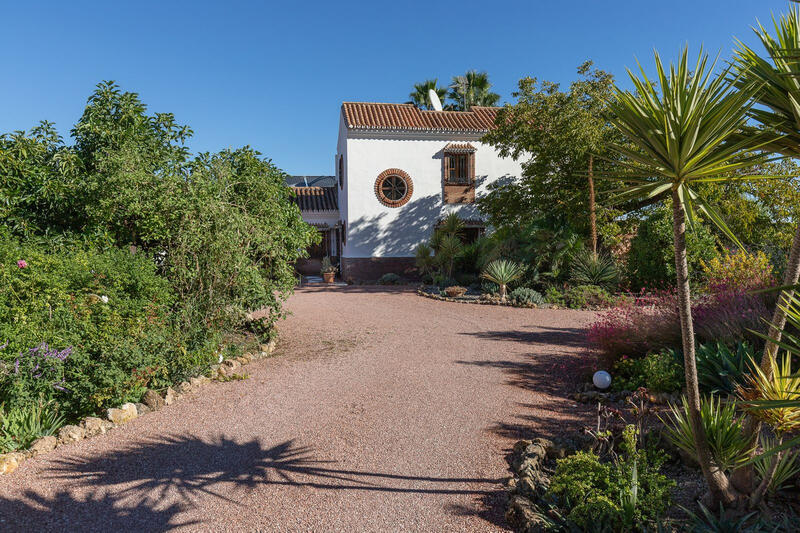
x=399, y=171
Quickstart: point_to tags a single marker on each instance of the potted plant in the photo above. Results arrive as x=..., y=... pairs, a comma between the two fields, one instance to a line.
x=328, y=270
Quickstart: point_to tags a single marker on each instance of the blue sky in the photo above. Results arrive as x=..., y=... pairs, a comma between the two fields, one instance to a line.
x=272, y=75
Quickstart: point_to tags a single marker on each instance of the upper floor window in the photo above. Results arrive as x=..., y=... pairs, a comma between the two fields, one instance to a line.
x=458, y=169
x=341, y=171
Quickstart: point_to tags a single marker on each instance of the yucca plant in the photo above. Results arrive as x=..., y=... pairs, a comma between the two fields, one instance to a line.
x=502, y=272
x=787, y=466
x=593, y=268
x=777, y=76
x=777, y=397
x=728, y=446
x=682, y=130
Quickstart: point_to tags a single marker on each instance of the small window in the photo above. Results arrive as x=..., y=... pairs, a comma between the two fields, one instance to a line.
x=458, y=170
x=341, y=171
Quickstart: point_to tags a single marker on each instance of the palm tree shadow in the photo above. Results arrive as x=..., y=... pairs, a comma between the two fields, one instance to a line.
x=62, y=511
x=186, y=469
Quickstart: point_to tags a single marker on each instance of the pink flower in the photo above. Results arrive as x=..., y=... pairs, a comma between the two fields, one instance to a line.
x=22, y=263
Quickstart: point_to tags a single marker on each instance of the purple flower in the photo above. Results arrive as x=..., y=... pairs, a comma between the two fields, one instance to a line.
x=22, y=263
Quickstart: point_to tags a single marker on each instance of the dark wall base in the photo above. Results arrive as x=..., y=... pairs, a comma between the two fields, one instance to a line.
x=372, y=268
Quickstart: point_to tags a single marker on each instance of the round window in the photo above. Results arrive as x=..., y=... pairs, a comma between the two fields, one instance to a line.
x=393, y=187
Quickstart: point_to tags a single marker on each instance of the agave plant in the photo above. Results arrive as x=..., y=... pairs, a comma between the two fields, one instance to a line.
x=779, y=386
x=727, y=443
x=592, y=268
x=502, y=272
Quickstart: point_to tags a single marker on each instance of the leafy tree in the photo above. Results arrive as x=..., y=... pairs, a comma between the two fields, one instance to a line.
x=420, y=96
x=682, y=131
x=473, y=88
x=557, y=133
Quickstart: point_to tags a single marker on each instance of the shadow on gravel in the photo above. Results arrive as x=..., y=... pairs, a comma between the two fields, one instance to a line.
x=155, y=480
x=571, y=337
x=64, y=512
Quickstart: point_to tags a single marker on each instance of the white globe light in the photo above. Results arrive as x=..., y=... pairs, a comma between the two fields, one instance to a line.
x=601, y=379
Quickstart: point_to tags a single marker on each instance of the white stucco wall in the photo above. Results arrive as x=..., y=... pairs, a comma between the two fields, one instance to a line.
x=374, y=230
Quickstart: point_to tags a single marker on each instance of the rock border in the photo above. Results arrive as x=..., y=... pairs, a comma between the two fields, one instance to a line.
x=152, y=400
x=476, y=301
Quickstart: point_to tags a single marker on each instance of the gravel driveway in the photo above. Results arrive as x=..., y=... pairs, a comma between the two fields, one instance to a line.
x=382, y=411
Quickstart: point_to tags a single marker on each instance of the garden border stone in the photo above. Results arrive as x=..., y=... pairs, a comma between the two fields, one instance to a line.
x=92, y=426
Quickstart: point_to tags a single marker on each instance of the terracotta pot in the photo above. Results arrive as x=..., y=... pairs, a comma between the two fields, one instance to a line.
x=328, y=276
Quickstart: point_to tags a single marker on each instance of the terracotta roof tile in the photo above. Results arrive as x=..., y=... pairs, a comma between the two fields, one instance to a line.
x=459, y=148
x=316, y=198
x=374, y=116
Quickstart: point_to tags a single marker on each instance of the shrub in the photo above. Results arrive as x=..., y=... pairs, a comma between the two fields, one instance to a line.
x=526, y=296
x=590, y=268
x=651, y=259
x=455, y=291
x=720, y=369
x=389, y=278
x=650, y=323
x=657, y=372
x=738, y=271
x=87, y=328
x=489, y=287
x=443, y=281
x=583, y=296
x=554, y=296
x=628, y=491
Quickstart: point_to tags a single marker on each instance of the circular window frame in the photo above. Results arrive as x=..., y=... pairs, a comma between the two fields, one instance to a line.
x=396, y=172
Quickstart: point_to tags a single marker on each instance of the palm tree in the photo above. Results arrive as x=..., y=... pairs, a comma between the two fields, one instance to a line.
x=473, y=88
x=420, y=96
x=779, y=79
x=680, y=132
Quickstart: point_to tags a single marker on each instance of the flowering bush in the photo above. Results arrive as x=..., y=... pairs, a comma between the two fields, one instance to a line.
x=650, y=323
x=738, y=271
x=86, y=329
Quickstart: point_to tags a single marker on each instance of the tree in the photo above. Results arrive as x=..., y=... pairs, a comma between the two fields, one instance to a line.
x=681, y=131
x=557, y=132
x=778, y=80
x=420, y=96
x=473, y=88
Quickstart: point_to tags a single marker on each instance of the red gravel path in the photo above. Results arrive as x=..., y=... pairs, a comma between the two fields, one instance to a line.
x=382, y=411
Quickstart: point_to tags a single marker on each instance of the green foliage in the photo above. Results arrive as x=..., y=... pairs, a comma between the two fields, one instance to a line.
x=471, y=89
x=106, y=312
x=720, y=369
x=389, y=278
x=651, y=259
x=138, y=257
x=623, y=494
x=502, y=272
x=554, y=131
x=787, y=469
x=420, y=96
x=657, y=372
x=526, y=296
x=554, y=296
x=583, y=296
x=727, y=441
x=20, y=426
x=326, y=266
x=589, y=268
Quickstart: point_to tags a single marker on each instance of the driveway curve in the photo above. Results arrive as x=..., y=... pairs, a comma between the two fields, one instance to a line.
x=381, y=411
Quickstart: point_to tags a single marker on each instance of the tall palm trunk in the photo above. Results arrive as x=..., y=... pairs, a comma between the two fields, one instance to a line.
x=718, y=483
x=743, y=478
x=592, y=208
